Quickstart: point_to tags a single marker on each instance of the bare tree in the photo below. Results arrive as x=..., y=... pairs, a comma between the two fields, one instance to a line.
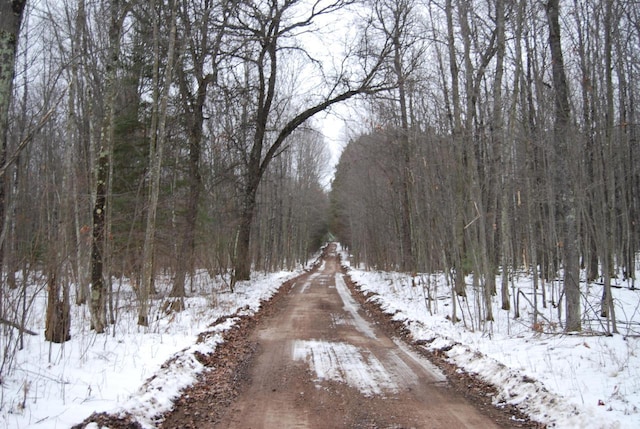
x=156, y=150
x=269, y=25
x=505, y=152
x=397, y=21
x=204, y=52
x=564, y=173
x=117, y=14
x=456, y=134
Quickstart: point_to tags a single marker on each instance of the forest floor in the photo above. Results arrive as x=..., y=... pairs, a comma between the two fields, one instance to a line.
x=313, y=357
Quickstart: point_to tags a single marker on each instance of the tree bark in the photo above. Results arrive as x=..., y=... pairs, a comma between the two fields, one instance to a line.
x=400, y=18
x=11, y=12
x=608, y=203
x=242, y=252
x=82, y=249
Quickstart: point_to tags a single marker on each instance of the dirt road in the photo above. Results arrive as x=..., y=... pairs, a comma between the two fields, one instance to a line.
x=320, y=363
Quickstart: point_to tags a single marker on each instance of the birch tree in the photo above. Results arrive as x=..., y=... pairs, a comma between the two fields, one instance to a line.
x=11, y=12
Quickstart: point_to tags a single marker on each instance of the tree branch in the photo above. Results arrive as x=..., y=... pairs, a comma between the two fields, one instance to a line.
x=27, y=139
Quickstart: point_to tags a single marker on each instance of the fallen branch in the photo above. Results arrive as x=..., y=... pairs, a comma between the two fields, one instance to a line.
x=15, y=325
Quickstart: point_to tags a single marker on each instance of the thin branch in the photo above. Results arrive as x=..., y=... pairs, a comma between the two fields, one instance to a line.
x=28, y=138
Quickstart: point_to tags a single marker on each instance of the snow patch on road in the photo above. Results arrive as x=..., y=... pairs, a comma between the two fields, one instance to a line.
x=345, y=363
x=310, y=280
x=351, y=306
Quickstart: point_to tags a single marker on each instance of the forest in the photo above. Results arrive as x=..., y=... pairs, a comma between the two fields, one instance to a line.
x=508, y=143
x=162, y=137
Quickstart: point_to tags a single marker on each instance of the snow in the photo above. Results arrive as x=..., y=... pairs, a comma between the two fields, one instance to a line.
x=140, y=370
x=351, y=306
x=566, y=381
x=563, y=380
x=347, y=363
x=310, y=280
x=429, y=368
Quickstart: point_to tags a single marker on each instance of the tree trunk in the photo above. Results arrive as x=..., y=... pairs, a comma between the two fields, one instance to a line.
x=268, y=68
x=82, y=248
x=58, y=318
x=11, y=13
x=242, y=253
x=400, y=13
x=156, y=153
x=103, y=167
x=193, y=105
x=458, y=221
x=609, y=202
x=97, y=244
x=504, y=145
x=564, y=174
x=185, y=263
x=58, y=322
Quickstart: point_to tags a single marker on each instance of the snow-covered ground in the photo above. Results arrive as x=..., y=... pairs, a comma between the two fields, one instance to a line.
x=59, y=385
x=566, y=381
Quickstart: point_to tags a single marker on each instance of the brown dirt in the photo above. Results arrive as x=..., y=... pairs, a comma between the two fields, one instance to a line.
x=264, y=376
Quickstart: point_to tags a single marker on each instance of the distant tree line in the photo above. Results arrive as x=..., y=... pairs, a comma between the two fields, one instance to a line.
x=510, y=142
